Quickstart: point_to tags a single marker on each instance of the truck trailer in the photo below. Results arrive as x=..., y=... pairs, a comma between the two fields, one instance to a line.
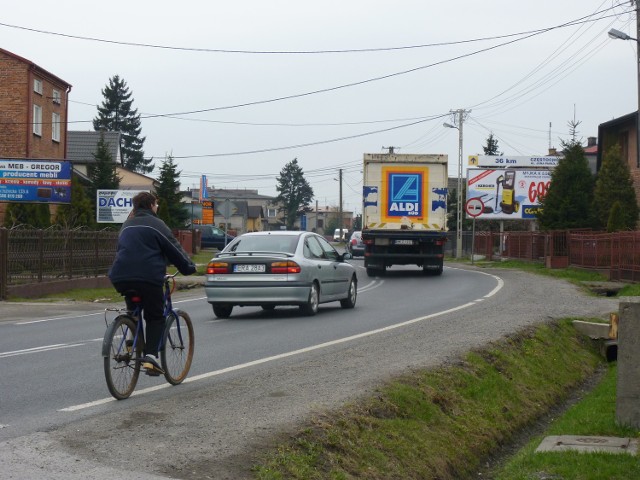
x=404, y=211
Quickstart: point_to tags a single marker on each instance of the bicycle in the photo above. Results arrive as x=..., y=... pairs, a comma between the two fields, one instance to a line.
x=123, y=344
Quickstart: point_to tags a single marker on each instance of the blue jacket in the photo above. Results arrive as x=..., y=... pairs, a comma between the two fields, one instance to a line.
x=145, y=247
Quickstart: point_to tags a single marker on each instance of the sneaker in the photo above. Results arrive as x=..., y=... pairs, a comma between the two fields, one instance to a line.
x=151, y=364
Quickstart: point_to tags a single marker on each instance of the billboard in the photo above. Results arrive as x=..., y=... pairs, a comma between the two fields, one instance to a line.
x=114, y=206
x=507, y=194
x=502, y=161
x=35, y=181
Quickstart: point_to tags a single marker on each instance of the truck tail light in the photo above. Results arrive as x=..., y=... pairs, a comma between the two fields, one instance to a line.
x=368, y=242
x=285, y=267
x=217, y=267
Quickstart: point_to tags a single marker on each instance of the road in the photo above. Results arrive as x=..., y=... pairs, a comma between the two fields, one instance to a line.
x=255, y=375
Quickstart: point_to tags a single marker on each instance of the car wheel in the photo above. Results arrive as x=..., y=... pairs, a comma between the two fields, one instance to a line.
x=268, y=308
x=222, y=311
x=350, y=301
x=311, y=307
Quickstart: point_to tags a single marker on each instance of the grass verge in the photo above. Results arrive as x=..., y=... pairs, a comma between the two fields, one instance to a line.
x=442, y=423
x=595, y=416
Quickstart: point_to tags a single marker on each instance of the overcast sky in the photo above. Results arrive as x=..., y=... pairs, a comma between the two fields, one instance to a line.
x=246, y=86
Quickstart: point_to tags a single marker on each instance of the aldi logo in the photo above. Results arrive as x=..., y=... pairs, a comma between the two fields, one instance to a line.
x=404, y=194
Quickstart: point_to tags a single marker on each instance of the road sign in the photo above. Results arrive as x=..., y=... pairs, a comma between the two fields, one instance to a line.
x=474, y=207
x=228, y=209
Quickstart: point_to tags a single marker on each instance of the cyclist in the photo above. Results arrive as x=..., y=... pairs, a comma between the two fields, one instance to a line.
x=145, y=247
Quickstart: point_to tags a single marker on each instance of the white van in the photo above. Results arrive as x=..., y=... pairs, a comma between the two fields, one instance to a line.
x=338, y=237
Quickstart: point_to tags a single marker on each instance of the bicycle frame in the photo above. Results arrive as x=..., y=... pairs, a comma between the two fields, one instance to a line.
x=137, y=313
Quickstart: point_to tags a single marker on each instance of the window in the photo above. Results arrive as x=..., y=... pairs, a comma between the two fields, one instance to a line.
x=37, y=120
x=37, y=85
x=55, y=127
x=56, y=96
x=272, y=212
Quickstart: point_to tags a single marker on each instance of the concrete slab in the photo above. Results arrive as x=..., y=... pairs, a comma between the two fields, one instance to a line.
x=588, y=444
x=591, y=329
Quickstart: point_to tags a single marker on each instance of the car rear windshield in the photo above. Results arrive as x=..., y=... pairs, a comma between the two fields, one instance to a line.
x=265, y=243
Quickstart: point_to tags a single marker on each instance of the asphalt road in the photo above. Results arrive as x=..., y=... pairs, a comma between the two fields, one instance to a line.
x=256, y=375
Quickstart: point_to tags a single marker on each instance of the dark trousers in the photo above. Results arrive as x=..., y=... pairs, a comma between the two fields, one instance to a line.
x=153, y=308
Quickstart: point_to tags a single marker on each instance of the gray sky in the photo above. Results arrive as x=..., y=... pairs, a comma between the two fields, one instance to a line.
x=324, y=108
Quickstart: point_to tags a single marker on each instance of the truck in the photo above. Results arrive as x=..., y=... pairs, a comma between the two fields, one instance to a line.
x=404, y=211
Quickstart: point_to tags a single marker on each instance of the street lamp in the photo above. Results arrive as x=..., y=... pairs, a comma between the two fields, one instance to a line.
x=459, y=187
x=618, y=35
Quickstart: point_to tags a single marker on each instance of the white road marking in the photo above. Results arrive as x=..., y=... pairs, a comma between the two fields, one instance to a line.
x=44, y=348
x=311, y=348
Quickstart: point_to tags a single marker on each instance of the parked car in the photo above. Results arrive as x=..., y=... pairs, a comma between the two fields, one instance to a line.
x=270, y=269
x=355, y=245
x=340, y=236
x=214, y=237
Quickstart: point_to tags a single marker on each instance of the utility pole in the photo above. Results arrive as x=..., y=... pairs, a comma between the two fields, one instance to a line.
x=461, y=115
x=340, y=225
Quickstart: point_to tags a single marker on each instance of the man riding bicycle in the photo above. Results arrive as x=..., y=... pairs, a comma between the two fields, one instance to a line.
x=145, y=247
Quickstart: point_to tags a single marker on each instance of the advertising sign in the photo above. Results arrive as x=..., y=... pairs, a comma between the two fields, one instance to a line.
x=504, y=161
x=507, y=193
x=114, y=206
x=403, y=193
x=207, y=212
x=35, y=181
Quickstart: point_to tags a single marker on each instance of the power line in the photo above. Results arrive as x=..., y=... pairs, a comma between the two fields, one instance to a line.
x=283, y=52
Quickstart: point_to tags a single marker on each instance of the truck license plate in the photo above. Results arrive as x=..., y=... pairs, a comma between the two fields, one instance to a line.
x=249, y=268
x=403, y=242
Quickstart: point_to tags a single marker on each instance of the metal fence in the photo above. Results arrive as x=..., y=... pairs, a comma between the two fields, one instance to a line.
x=30, y=256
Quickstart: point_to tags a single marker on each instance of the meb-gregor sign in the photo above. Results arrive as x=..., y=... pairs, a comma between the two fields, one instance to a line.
x=35, y=181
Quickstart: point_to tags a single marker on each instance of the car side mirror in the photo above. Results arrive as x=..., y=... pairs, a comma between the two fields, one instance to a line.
x=346, y=256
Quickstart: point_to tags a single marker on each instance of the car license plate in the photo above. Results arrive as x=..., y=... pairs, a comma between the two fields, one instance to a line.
x=403, y=242
x=248, y=268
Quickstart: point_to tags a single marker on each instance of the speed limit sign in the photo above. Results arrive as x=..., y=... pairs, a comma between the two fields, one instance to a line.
x=474, y=207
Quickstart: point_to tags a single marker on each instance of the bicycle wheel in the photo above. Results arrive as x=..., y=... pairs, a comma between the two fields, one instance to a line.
x=121, y=360
x=177, y=347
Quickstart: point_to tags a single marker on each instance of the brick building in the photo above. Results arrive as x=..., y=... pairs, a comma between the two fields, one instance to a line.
x=33, y=111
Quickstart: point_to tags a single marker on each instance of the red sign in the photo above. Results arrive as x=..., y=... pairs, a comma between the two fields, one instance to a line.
x=474, y=207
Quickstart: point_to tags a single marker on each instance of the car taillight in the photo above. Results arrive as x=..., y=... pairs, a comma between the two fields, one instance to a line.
x=285, y=267
x=354, y=241
x=217, y=267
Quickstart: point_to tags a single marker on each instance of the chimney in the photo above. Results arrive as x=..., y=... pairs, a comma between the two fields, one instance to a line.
x=552, y=152
x=592, y=141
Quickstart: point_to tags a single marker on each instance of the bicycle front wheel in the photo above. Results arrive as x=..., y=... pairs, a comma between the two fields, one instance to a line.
x=177, y=347
x=121, y=359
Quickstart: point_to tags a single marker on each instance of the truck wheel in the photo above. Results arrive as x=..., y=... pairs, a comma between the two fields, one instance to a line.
x=371, y=272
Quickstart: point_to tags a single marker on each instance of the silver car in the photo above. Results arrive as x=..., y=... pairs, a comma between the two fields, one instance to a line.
x=268, y=269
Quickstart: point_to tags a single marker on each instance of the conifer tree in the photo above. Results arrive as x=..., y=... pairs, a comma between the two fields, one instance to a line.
x=171, y=209
x=616, y=221
x=35, y=215
x=614, y=184
x=294, y=192
x=78, y=213
x=103, y=173
x=117, y=115
x=567, y=202
x=491, y=148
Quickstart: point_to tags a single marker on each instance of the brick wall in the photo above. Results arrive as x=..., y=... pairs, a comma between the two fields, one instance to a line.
x=14, y=107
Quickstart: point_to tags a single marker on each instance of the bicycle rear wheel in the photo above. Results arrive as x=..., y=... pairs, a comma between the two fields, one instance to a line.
x=121, y=359
x=177, y=347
